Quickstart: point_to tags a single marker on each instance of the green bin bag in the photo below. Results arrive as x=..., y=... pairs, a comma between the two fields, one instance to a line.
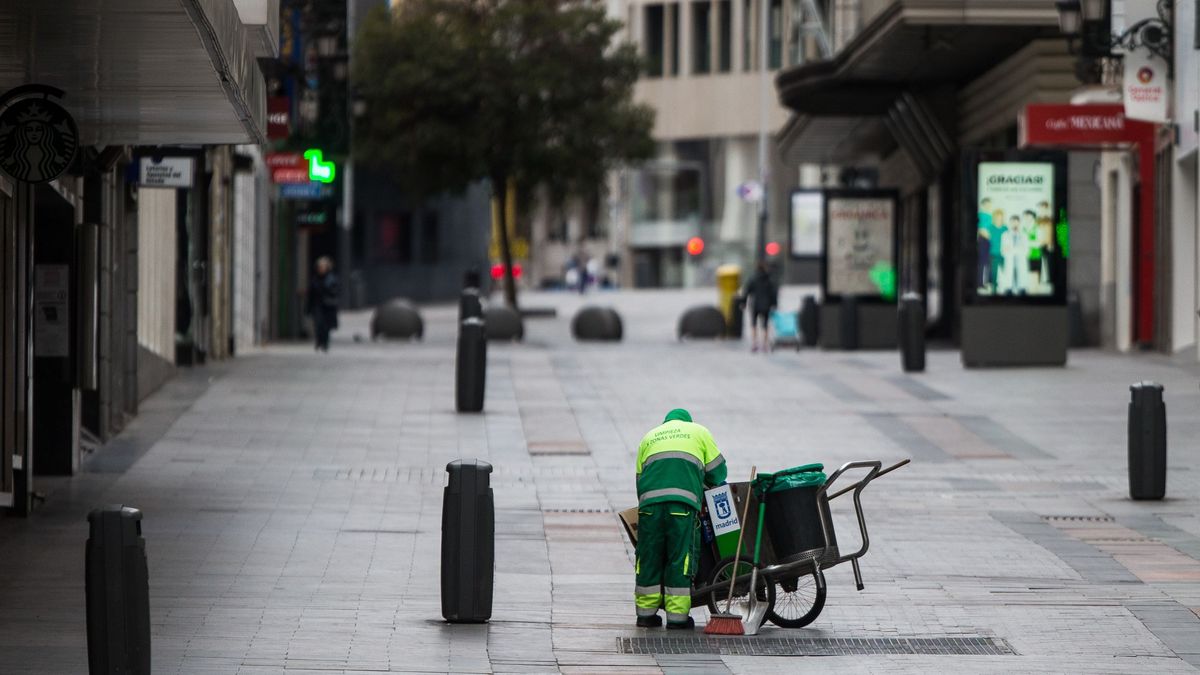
x=809, y=475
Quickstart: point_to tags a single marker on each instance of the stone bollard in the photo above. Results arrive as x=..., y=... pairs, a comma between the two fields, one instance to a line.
x=117, y=589
x=912, y=333
x=468, y=542
x=470, y=373
x=1147, y=441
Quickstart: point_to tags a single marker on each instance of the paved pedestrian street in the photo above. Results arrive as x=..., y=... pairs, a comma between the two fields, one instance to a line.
x=292, y=507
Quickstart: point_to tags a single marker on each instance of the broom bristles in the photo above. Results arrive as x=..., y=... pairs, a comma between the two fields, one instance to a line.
x=724, y=624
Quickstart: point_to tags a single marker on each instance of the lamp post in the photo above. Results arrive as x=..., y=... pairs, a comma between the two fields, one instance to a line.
x=1091, y=22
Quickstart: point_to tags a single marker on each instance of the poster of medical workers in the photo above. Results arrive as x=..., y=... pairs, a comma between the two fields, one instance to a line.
x=1018, y=229
x=861, y=246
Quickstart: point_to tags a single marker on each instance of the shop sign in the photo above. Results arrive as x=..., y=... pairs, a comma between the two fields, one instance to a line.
x=165, y=172
x=287, y=168
x=279, y=112
x=305, y=191
x=1144, y=88
x=1079, y=125
x=38, y=137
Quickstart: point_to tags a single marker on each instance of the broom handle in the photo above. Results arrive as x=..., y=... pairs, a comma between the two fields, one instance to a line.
x=741, y=532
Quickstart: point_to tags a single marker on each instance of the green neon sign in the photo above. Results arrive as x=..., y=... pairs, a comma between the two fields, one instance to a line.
x=318, y=169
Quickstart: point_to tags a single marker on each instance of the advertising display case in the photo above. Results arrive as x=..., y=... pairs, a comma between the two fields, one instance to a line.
x=859, y=269
x=1016, y=247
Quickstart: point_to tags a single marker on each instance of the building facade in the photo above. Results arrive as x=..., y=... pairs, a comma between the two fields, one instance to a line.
x=117, y=263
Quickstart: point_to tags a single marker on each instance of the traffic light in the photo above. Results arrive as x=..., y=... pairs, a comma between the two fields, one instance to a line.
x=772, y=248
x=695, y=246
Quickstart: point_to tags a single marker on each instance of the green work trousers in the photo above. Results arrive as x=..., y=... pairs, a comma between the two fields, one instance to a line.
x=667, y=556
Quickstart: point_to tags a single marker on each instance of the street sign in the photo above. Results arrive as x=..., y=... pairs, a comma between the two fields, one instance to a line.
x=305, y=191
x=166, y=172
x=750, y=191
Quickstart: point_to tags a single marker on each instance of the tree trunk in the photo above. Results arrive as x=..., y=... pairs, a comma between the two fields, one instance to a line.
x=500, y=191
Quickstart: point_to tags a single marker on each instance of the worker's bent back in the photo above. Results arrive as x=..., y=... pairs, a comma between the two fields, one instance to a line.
x=676, y=461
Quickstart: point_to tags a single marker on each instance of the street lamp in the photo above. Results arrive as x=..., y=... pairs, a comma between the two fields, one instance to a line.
x=1069, y=17
x=1092, y=22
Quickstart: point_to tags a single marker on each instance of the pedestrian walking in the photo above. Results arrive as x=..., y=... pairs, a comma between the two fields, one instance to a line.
x=763, y=296
x=677, y=461
x=322, y=304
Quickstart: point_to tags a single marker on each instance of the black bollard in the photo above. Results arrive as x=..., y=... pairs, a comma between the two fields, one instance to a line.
x=1147, y=441
x=472, y=279
x=809, y=321
x=848, y=322
x=912, y=333
x=117, y=589
x=471, y=369
x=737, y=317
x=468, y=542
x=469, y=304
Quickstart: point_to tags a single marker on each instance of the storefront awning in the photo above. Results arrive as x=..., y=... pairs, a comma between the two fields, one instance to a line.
x=891, y=70
x=141, y=72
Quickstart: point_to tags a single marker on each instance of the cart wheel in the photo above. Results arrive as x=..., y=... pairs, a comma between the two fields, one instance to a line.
x=799, y=602
x=741, y=599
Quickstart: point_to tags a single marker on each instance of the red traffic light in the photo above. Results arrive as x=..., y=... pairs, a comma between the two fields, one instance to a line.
x=772, y=248
x=498, y=271
x=695, y=246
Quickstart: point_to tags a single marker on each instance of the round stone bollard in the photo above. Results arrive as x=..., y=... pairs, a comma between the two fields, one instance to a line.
x=702, y=322
x=503, y=323
x=911, y=331
x=1147, y=441
x=397, y=319
x=593, y=323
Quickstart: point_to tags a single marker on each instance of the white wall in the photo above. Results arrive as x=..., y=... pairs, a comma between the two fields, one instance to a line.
x=251, y=211
x=156, y=271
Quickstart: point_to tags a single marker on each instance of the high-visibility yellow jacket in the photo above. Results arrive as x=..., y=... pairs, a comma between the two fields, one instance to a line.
x=676, y=461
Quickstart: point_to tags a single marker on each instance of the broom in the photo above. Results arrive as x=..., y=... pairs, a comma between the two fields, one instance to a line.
x=727, y=623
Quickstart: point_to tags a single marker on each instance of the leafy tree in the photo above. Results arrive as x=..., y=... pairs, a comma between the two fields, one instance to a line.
x=529, y=91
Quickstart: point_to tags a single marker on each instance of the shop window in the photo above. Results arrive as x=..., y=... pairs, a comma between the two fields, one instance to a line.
x=395, y=237
x=701, y=37
x=775, y=30
x=653, y=40
x=674, y=23
x=430, y=240
x=724, y=36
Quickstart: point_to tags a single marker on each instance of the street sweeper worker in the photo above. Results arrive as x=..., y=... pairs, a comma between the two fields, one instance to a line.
x=676, y=462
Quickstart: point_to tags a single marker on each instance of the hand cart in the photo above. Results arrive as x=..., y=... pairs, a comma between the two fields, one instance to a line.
x=794, y=587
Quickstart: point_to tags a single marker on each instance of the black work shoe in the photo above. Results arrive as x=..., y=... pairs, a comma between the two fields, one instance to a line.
x=653, y=621
x=683, y=625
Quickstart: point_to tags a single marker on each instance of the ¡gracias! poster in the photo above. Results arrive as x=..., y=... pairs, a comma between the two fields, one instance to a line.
x=860, y=243
x=1016, y=231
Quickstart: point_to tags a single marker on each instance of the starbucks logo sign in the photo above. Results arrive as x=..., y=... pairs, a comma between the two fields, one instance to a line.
x=38, y=137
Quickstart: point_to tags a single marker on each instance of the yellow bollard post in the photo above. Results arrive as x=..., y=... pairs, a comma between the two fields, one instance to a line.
x=729, y=280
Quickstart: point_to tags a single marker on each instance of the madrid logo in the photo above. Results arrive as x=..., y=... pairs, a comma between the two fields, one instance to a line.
x=1145, y=75
x=721, y=503
x=38, y=137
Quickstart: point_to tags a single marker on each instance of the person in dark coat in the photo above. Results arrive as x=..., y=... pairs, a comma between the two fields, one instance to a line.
x=762, y=296
x=322, y=304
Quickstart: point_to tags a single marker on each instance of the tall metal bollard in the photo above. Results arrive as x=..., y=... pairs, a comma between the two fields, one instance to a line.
x=848, y=322
x=809, y=321
x=117, y=587
x=469, y=304
x=1147, y=441
x=912, y=333
x=471, y=369
x=468, y=542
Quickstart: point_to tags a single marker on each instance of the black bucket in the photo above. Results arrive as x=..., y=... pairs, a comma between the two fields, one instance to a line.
x=794, y=524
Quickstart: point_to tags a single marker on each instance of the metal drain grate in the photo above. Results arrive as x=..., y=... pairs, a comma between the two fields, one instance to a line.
x=1078, y=519
x=579, y=510
x=763, y=646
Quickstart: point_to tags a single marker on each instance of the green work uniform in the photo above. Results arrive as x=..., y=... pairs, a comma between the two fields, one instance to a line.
x=676, y=462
